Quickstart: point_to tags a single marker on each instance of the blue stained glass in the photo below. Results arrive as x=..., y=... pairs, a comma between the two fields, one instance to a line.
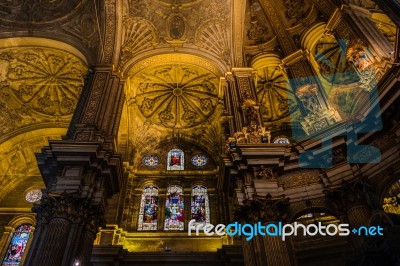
x=174, y=209
x=200, y=206
x=199, y=160
x=148, y=209
x=17, y=246
x=281, y=140
x=175, y=160
x=151, y=160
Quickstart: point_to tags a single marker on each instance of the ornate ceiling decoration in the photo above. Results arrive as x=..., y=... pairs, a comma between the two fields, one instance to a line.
x=174, y=98
x=176, y=95
x=38, y=85
x=212, y=35
x=149, y=25
x=37, y=11
x=137, y=34
x=331, y=57
x=276, y=98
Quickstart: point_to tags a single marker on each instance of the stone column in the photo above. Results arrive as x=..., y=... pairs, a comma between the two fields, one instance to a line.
x=80, y=172
x=265, y=250
x=356, y=200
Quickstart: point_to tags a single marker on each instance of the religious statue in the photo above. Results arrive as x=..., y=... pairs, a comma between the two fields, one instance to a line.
x=265, y=173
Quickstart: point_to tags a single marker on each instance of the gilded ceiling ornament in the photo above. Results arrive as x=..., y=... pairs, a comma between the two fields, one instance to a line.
x=137, y=35
x=295, y=10
x=177, y=27
x=45, y=80
x=257, y=32
x=274, y=94
x=176, y=96
x=212, y=35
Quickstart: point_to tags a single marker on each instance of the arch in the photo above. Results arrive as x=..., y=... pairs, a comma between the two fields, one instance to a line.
x=19, y=162
x=273, y=90
x=148, y=212
x=166, y=56
x=44, y=43
x=321, y=207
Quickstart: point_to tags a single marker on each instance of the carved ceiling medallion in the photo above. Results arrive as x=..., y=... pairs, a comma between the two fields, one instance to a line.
x=274, y=94
x=47, y=81
x=176, y=95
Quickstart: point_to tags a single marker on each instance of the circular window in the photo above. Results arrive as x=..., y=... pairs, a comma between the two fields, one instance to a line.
x=281, y=140
x=151, y=160
x=33, y=195
x=199, y=160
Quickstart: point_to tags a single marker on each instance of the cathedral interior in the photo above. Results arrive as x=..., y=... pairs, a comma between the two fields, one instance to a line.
x=122, y=121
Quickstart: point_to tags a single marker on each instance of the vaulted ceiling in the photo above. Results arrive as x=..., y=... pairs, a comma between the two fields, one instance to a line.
x=174, y=55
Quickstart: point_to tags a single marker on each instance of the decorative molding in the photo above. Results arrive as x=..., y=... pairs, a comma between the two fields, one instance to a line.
x=94, y=99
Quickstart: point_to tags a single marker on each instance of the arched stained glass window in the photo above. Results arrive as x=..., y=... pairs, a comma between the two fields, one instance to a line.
x=200, y=206
x=175, y=160
x=17, y=246
x=199, y=160
x=148, y=209
x=174, y=209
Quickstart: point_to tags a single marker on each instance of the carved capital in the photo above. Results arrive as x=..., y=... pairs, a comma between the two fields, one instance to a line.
x=71, y=208
x=262, y=210
x=351, y=194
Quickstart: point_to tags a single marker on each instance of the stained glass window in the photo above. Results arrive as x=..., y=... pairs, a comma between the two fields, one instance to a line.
x=148, y=209
x=199, y=207
x=151, y=160
x=199, y=160
x=33, y=195
x=17, y=246
x=281, y=140
x=174, y=209
x=175, y=160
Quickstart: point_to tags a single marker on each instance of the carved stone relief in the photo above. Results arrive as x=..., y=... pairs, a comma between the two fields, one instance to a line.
x=38, y=85
x=176, y=96
x=298, y=179
x=68, y=21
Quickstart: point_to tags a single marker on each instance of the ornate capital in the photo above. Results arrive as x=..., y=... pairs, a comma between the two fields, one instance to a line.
x=351, y=194
x=262, y=210
x=71, y=208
